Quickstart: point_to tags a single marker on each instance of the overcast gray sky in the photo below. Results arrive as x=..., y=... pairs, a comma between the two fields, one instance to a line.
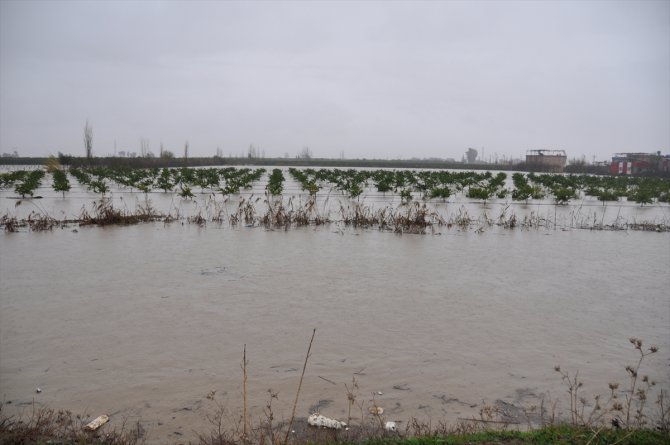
x=370, y=79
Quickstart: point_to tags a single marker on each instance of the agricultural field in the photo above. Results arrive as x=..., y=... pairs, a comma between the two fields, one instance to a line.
x=441, y=297
x=399, y=200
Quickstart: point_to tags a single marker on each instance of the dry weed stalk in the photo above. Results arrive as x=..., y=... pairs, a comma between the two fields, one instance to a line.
x=269, y=415
x=104, y=213
x=573, y=389
x=663, y=414
x=634, y=415
x=297, y=394
x=219, y=436
x=635, y=392
x=244, y=393
x=351, y=396
x=489, y=413
x=376, y=411
x=10, y=223
x=197, y=219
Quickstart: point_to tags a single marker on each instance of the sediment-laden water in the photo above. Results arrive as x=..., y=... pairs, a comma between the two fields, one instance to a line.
x=143, y=322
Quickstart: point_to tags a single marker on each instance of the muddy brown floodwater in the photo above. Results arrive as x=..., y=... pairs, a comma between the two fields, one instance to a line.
x=143, y=322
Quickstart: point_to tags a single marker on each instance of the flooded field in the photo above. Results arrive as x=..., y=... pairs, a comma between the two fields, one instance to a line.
x=143, y=322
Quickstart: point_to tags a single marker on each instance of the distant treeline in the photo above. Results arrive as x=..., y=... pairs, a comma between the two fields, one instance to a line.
x=146, y=162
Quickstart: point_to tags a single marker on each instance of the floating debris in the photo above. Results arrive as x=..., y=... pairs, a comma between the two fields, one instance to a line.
x=376, y=410
x=97, y=422
x=318, y=420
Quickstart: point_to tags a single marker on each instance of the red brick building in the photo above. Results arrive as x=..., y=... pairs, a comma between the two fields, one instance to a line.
x=639, y=163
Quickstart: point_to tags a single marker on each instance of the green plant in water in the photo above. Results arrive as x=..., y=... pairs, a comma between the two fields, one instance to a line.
x=483, y=193
x=642, y=196
x=563, y=195
x=405, y=195
x=185, y=191
x=440, y=192
x=276, y=182
x=164, y=181
x=355, y=190
x=31, y=181
x=99, y=186
x=60, y=181
x=607, y=195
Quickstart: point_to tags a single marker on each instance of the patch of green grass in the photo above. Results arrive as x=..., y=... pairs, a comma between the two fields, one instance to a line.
x=555, y=435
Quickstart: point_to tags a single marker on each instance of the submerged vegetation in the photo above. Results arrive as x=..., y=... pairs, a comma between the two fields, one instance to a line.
x=415, y=193
x=26, y=182
x=276, y=182
x=427, y=185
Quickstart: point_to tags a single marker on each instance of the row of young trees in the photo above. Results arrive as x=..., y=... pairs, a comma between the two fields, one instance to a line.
x=352, y=183
x=485, y=186
x=643, y=190
x=227, y=181
x=428, y=184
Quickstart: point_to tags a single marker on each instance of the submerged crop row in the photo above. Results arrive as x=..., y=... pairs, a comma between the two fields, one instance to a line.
x=484, y=186
x=408, y=184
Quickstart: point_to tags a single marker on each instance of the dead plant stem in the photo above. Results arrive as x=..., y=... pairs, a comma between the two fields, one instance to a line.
x=244, y=393
x=297, y=394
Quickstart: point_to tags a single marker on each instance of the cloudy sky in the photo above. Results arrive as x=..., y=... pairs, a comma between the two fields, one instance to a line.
x=367, y=79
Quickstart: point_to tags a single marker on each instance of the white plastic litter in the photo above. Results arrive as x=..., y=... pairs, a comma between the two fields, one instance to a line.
x=317, y=419
x=97, y=422
x=391, y=426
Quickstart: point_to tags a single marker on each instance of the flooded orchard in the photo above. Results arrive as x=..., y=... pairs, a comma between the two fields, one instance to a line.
x=144, y=322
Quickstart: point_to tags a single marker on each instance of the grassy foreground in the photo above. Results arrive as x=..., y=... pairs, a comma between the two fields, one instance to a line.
x=547, y=435
x=50, y=427
x=618, y=419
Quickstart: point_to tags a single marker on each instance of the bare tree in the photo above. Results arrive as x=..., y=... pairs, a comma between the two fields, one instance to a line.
x=88, y=140
x=144, y=147
x=305, y=153
x=253, y=152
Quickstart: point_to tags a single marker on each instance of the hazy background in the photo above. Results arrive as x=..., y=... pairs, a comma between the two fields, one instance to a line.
x=363, y=79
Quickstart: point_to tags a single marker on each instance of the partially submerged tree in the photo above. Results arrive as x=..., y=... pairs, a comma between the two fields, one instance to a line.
x=30, y=182
x=60, y=181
